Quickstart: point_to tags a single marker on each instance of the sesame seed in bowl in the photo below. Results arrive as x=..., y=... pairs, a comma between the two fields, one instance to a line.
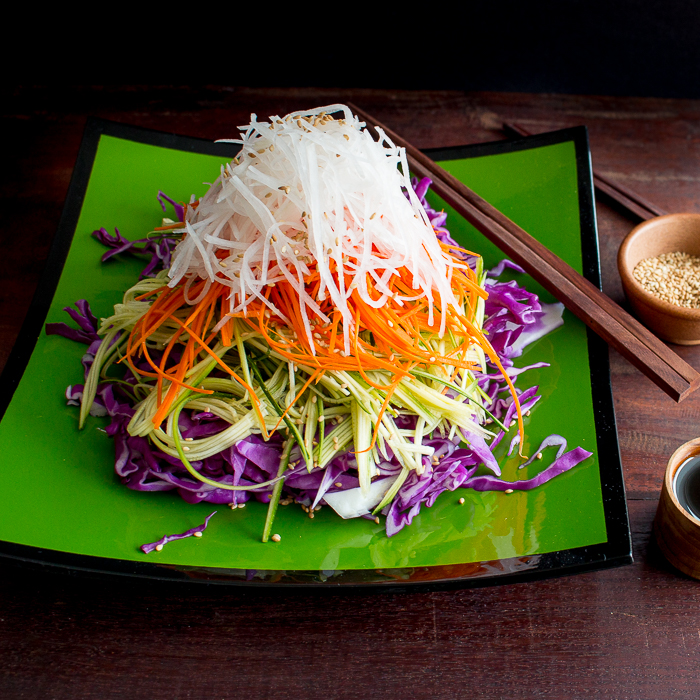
x=659, y=264
x=672, y=277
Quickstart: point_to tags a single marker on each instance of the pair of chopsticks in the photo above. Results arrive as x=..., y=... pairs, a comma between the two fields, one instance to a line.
x=632, y=340
x=627, y=198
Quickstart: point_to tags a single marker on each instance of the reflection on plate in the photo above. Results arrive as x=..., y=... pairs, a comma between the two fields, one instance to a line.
x=65, y=507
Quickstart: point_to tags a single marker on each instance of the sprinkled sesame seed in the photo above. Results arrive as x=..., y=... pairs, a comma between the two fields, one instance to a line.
x=275, y=538
x=539, y=455
x=376, y=520
x=509, y=491
x=461, y=501
x=197, y=534
x=159, y=548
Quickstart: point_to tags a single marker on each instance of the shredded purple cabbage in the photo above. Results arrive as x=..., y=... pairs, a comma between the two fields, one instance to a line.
x=148, y=548
x=514, y=317
x=159, y=248
x=87, y=331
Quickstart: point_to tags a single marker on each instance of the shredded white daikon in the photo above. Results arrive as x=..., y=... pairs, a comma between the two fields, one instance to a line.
x=308, y=188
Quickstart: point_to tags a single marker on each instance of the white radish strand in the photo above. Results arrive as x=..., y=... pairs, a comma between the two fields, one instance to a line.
x=311, y=188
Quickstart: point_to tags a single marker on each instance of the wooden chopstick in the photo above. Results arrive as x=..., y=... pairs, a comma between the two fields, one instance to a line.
x=624, y=196
x=637, y=344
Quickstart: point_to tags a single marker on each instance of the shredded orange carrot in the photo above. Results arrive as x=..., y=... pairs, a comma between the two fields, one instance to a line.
x=397, y=329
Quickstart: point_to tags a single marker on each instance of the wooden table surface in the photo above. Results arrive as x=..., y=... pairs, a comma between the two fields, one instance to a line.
x=630, y=632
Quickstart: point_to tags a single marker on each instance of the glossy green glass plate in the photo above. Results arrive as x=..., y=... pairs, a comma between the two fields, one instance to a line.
x=64, y=506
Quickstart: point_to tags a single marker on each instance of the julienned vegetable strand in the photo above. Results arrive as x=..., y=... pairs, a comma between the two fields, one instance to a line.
x=364, y=346
x=276, y=491
x=291, y=428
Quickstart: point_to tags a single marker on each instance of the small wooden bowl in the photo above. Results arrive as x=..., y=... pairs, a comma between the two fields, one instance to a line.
x=677, y=532
x=663, y=234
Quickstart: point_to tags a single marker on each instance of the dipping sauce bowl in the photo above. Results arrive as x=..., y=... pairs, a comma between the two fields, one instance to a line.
x=677, y=522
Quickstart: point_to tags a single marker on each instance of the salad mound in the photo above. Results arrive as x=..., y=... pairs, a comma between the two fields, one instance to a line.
x=308, y=332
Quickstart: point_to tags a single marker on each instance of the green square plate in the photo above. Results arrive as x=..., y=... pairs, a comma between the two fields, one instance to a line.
x=64, y=506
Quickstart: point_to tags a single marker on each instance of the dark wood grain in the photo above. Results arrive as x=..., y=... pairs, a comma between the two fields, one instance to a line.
x=632, y=632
